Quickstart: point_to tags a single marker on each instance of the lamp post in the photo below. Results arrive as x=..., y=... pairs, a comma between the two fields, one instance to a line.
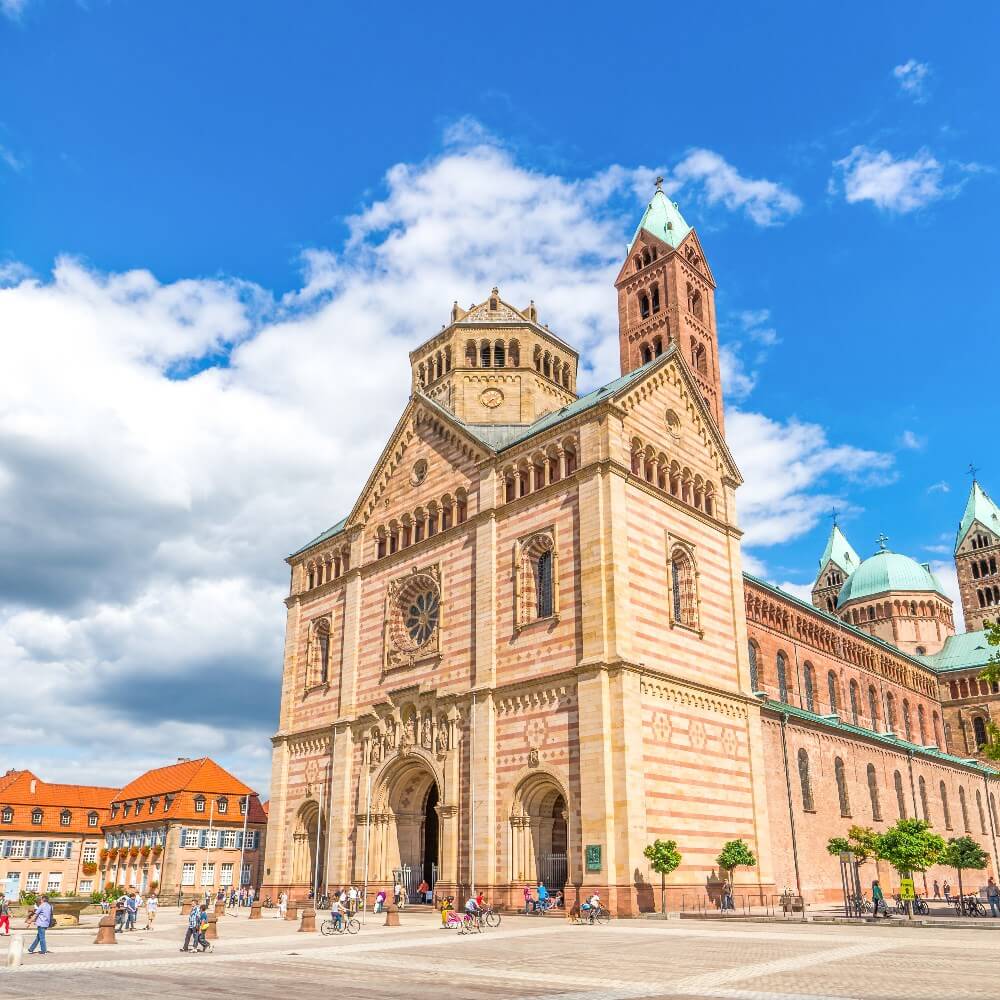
x=243, y=842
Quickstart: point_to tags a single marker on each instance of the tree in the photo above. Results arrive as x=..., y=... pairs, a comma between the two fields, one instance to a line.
x=964, y=852
x=860, y=841
x=735, y=854
x=991, y=673
x=909, y=847
x=663, y=859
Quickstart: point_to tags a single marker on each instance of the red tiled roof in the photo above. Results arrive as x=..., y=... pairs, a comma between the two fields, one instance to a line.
x=201, y=775
x=23, y=792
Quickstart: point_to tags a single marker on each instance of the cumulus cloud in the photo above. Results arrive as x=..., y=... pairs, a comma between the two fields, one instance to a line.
x=164, y=445
x=893, y=184
x=939, y=487
x=912, y=77
x=944, y=570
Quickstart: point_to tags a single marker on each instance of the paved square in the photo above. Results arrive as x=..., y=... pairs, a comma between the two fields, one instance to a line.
x=526, y=957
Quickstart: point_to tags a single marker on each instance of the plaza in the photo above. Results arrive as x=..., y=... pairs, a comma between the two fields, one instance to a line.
x=524, y=957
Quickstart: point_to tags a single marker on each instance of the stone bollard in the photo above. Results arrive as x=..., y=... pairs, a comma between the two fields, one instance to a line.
x=15, y=954
x=106, y=930
x=255, y=910
x=212, y=934
x=220, y=908
x=292, y=913
x=308, y=920
x=391, y=915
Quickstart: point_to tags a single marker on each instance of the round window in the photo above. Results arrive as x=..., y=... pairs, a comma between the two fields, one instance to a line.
x=415, y=613
x=673, y=423
x=419, y=472
x=422, y=616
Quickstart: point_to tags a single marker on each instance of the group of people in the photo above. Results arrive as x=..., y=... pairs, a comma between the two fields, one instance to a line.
x=244, y=896
x=992, y=896
x=127, y=907
x=195, y=938
x=541, y=899
x=474, y=907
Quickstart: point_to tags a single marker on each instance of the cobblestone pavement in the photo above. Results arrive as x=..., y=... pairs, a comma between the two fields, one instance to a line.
x=525, y=958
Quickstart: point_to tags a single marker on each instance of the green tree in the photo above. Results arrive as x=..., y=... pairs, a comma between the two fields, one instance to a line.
x=909, y=846
x=663, y=859
x=963, y=852
x=991, y=673
x=860, y=841
x=735, y=854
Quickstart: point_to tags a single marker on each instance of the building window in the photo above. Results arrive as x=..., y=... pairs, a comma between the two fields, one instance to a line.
x=682, y=583
x=65, y=817
x=222, y=804
x=782, y=678
x=922, y=724
x=190, y=838
x=944, y=805
x=805, y=782
x=187, y=873
x=208, y=873
x=890, y=712
x=7, y=816
x=979, y=729
x=86, y=886
x=33, y=882
x=873, y=707
x=982, y=814
x=754, y=676
x=36, y=817
x=854, y=702
x=873, y=794
x=535, y=584
x=245, y=875
x=965, y=810
x=907, y=727
x=226, y=873
x=199, y=804
x=243, y=805
x=17, y=849
x=897, y=781
x=54, y=883
x=922, y=788
x=831, y=686
x=92, y=819
x=228, y=838
x=845, y=801
x=810, y=685
x=89, y=853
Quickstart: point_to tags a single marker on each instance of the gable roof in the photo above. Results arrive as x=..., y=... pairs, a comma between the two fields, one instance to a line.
x=968, y=651
x=981, y=508
x=201, y=775
x=840, y=552
x=23, y=792
x=663, y=219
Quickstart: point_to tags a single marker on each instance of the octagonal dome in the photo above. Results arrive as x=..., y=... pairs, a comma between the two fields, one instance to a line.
x=887, y=572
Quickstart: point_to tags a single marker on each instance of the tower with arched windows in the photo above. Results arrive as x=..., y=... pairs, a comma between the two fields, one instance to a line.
x=977, y=558
x=838, y=562
x=666, y=295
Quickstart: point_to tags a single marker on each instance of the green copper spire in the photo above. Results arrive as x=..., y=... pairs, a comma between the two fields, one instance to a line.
x=663, y=219
x=979, y=508
x=839, y=551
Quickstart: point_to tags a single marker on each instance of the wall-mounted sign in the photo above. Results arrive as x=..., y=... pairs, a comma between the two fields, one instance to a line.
x=593, y=857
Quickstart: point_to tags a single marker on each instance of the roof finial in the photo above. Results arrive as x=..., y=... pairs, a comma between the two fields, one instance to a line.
x=659, y=183
x=972, y=471
x=882, y=539
x=834, y=513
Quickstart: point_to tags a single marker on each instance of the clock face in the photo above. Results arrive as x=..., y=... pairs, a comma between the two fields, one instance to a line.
x=491, y=398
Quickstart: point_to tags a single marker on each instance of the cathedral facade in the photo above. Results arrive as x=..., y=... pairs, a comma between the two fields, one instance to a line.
x=530, y=649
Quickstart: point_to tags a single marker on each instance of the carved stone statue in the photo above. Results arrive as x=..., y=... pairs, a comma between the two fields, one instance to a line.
x=427, y=731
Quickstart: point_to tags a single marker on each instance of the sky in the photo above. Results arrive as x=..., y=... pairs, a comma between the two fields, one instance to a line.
x=222, y=227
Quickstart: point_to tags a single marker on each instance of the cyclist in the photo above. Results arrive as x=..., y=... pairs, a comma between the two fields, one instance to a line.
x=337, y=913
x=592, y=905
x=472, y=909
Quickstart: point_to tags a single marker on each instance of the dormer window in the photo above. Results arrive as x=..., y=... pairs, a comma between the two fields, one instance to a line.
x=138, y=806
x=243, y=806
x=7, y=816
x=222, y=804
x=153, y=803
x=125, y=809
x=168, y=801
x=114, y=810
x=65, y=817
x=36, y=817
x=199, y=803
x=92, y=819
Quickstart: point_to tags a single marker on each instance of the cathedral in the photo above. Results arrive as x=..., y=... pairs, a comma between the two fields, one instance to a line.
x=530, y=649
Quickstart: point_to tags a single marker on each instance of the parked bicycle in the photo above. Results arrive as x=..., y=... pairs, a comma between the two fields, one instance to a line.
x=969, y=906
x=348, y=925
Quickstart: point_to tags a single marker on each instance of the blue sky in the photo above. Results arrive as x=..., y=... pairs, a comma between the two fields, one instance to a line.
x=223, y=225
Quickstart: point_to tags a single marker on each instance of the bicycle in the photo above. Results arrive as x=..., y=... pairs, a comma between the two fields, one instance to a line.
x=596, y=915
x=348, y=925
x=489, y=916
x=920, y=906
x=969, y=906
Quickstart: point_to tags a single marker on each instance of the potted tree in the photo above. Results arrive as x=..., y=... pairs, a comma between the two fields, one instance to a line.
x=663, y=859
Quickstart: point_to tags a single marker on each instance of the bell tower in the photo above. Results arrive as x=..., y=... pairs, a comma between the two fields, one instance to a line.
x=666, y=295
x=977, y=558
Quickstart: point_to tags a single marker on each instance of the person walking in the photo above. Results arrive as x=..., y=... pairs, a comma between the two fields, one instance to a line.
x=529, y=901
x=152, y=905
x=131, y=911
x=352, y=901
x=727, y=896
x=4, y=915
x=42, y=920
x=992, y=897
x=250, y=896
x=379, y=900
x=947, y=891
x=120, y=914
x=937, y=890
x=878, y=900
x=282, y=904
x=423, y=890
x=198, y=910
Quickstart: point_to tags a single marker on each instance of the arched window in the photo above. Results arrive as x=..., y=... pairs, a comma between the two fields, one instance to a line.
x=922, y=788
x=647, y=354
x=656, y=298
x=322, y=661
x=805, y=782
x=36, y=817
x=938, y=738
x=873, y=707
x=810, y=686
x=831, y=686
x=536, y=590
x=907, y=728
x=643, y=305
x=944, y=805
x=979, y=809
x=964, y=806
x=543, y=584
x=199, y=803
x=842, y=795
x=485, y=354
x=470, y=353
x=855, y=697
x=897, y=781
x=873, y=794
x=683, y=599
x=979, y=728
x=782, y=668
x=754, y=675
x=890, y=712
x=498, y=355
x=65, y=817
x=922, y=724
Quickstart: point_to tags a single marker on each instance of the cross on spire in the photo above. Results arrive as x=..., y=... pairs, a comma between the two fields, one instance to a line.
x=834, y=514
x=882, y=539
x=659, y=183
x=972, y=471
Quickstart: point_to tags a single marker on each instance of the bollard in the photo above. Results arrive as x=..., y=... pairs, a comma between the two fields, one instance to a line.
x=212, y=933
x=292, y=913
x=220, y=908
x=255, y=910
x=16, y=953
x=308, y=920
x=391, y=915
x=106, y=930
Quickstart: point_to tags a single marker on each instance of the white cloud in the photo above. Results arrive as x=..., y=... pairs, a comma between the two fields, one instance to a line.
x=7, y=156
x=13, y=8
x=912, y=77
x=737, y=382
x=766, y=202
x=803, y=591
x=895, y=185
x=944, y=570
x=163, y=446
x=911, y=440
x=939, y=487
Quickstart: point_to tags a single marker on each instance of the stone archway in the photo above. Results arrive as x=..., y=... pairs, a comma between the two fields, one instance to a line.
x=405, y=824
x=538, y=833
x=305, y=849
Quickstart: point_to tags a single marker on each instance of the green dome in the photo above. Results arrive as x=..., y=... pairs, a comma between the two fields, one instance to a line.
x=887, y=571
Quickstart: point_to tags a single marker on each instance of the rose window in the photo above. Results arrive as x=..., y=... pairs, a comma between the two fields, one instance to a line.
x=421, y=617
